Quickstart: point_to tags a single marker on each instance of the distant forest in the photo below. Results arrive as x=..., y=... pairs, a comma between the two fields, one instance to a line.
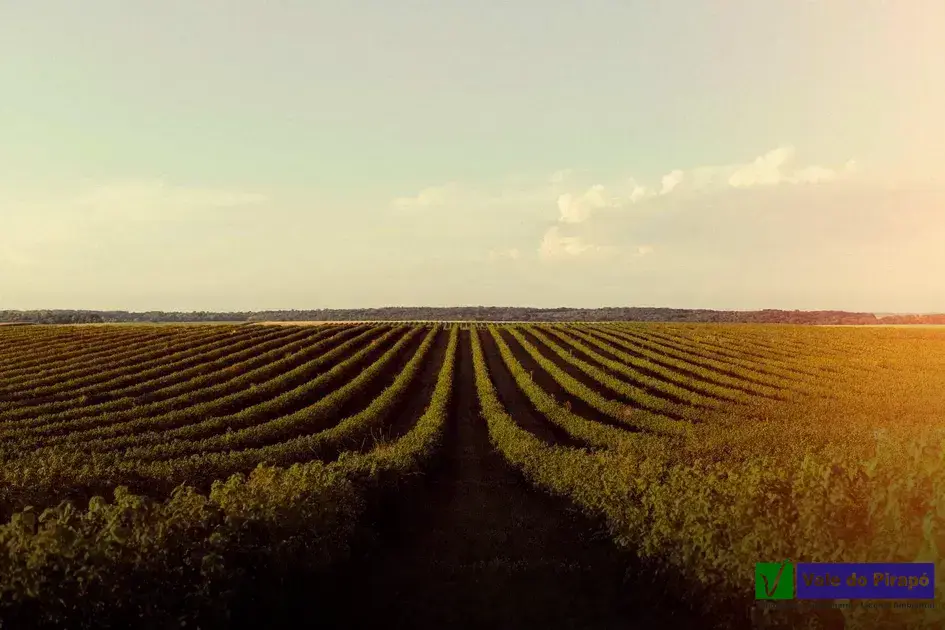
x=474, y=314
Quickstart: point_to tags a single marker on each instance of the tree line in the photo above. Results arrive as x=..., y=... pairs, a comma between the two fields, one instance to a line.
x=474, y=314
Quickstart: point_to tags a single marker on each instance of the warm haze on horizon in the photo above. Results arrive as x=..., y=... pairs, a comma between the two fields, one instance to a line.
x=246, y=155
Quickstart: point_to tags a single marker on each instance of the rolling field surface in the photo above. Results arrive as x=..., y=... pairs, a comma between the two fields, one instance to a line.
x=429, y=475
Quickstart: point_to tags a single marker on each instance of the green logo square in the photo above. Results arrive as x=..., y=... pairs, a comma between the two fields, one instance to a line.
x=774, y=580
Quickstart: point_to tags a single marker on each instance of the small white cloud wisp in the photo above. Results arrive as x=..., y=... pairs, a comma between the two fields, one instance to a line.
x=578, y=204
x=670, y=181
x=578, y=208
x=777, y=167
x=556, y=246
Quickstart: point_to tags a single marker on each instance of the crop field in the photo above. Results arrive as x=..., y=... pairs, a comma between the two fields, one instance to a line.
x=450, y=475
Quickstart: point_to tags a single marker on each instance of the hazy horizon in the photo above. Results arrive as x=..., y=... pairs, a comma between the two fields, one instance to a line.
x=236, y=155
x=489, y=306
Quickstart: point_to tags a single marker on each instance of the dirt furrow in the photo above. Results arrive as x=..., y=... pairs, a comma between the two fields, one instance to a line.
x=547, y=382
x=520, y=408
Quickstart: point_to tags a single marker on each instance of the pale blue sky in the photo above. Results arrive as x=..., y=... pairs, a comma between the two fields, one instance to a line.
x=237, y=154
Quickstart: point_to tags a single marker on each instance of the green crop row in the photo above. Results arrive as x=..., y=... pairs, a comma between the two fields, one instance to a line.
x=633, y=417
x=321, y=445
x=755, y=377
x=588, y=431
x=111, y=368
x=313, y=418
x=642, y=371
x=31, y=381
x=563, y=348
x=214, y=379
x=274, y=388
x=167, y=462
x=186, y=559
x=710, y=521
x=59, y=346
x=186, y=358
x=99, y=460
x=710, y=376
x=732, y=348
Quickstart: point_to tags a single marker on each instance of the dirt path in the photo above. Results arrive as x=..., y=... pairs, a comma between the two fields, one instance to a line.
x=477, y=547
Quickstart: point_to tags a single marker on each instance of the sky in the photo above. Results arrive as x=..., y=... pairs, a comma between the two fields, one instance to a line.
x=299, y=154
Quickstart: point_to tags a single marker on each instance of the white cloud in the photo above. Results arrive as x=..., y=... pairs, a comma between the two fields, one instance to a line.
x=428, y=197
x=556, y=246
x=772, y=168
x=577, y=209
x=638, y=193
x=577, y=205
x=775, y=167
x=670, y=181
x=765, y=170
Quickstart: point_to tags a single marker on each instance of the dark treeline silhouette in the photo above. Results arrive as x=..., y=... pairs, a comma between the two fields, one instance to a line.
x=473, y=313
x=110, y=317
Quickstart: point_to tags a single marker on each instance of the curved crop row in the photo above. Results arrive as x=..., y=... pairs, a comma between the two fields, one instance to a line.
x=628, y=390
x=789, y=343
x=58, y=345
x=302, y=434
x=638, y=418
x=706, y=374
x=185, y=546
x=50, y=368
x=249, y=432
x=686, y=515
x=781, y=364
x=217, y=380
x=91, y=370
x=765, y=373
x=588, y=431
x=709, y=501
x=194, y=426
x=21, y=349
x=126, y=392
x=146, y=367
x=746, y=373
x=587, y=478
x=646, y=372
x=116, y=425
x=804, y=383
x=815, y=351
